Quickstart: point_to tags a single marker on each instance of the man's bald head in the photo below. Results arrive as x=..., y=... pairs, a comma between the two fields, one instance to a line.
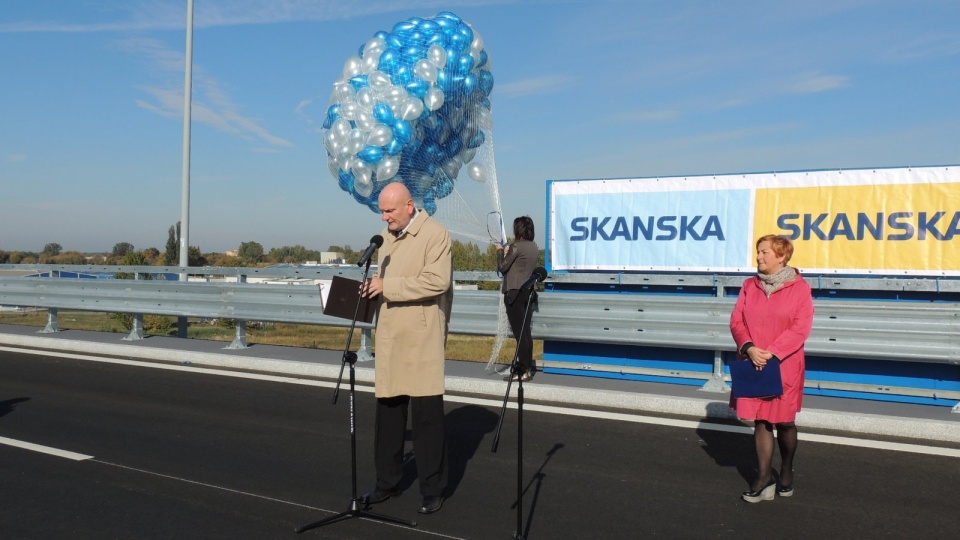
x=397, y=206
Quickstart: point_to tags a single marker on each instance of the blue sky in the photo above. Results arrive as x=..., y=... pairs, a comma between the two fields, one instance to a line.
x=91, y=119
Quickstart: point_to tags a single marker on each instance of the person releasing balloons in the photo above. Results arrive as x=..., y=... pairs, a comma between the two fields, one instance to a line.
x=413, y=105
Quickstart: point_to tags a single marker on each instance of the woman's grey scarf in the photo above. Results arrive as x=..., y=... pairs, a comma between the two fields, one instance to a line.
x=773, y=282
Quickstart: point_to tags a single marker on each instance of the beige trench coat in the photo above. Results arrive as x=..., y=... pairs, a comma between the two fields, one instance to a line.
x=414, y=310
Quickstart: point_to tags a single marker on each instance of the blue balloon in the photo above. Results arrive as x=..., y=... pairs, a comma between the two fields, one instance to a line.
x=445, y=81
x=394, y=147
x=389, y=61
x=371, y=154
x=443, y=188
x=383, y=113
x=403, y=27
x=333, y=113
x=418, y=87
x=346, y=180
x=403, y=75
x=360, y=81
x=394, y=41
x=464, y=64
x=485, y=82
x=469, y=84
x=403, y=131
x=477, y=140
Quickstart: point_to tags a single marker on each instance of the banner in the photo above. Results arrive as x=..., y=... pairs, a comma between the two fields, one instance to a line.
x=866, y=221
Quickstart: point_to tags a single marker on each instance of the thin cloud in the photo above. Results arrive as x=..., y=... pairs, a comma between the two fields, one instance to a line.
x=16, y=158
x=537, y=85
x=814, y=83
x=647, y=116
x=210, y=103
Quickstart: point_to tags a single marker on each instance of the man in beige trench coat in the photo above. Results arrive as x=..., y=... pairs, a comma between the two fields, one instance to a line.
x=414, y=283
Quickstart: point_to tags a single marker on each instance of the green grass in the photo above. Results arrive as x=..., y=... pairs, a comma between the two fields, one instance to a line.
x=459, y=347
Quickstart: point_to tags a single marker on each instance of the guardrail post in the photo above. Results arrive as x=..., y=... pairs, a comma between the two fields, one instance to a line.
x=365, y=353
x=53, y=322
x=956, y=408
x=136, y=331
x=716, y=382
x=240, y=338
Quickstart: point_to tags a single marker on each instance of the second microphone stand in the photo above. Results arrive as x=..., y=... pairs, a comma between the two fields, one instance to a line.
x=356, y=508
x=515, y=372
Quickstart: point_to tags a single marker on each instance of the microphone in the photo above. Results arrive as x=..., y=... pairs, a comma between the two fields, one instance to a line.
x=539, y=274
x=375, y=242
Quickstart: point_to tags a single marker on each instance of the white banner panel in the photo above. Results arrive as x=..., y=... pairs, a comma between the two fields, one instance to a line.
x=889, y=221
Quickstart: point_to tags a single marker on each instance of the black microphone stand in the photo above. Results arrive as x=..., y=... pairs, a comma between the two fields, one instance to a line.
x=356, y=508
x=515, y=370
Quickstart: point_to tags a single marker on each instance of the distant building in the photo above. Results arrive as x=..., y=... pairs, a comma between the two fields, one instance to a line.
x=331, y=257
x=232, y=253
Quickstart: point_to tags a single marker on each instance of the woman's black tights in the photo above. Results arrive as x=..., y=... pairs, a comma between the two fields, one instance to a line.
x=763, y=440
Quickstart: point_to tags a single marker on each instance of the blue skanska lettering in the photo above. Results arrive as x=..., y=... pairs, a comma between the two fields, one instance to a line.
x=895, y=226
x=633, y=228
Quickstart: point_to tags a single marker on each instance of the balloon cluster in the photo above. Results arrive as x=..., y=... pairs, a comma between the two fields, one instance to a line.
x=412, y=106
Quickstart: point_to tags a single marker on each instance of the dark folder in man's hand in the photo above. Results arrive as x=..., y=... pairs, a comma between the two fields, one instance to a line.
x=749, y=382
x=342, y=301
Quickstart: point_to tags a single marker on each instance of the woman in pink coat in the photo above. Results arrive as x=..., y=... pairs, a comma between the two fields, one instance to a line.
x=770, y=323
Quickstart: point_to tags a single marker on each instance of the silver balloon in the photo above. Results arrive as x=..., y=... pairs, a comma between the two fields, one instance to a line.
x=434, y=99
x=437, y=56
x=366, y=99
x=341, y=130
x=387, y=169
x=477, y=172
x=377, y=45
x=378, y=80
x=425, y=70
x=380, y=135
x=411, y=108
x=352, y=67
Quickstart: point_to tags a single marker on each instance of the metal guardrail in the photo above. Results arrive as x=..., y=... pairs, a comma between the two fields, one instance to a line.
x=925, y=332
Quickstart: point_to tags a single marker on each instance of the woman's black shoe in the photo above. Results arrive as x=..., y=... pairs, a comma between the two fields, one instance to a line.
x=764, y=494
x=785, y=491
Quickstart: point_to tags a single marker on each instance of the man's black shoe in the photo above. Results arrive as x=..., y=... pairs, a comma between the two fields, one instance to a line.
x=430, y=504
x=378, y=495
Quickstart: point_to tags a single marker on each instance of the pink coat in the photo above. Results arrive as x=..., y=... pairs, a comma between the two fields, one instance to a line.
x=780, y=323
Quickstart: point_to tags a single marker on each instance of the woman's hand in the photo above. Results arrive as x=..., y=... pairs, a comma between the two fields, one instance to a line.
x=759, y=356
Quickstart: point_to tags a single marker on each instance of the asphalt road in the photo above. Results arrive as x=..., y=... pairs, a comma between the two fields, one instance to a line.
x=182, y=454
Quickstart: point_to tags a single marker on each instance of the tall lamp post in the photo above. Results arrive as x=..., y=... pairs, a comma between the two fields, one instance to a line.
x=185, y=189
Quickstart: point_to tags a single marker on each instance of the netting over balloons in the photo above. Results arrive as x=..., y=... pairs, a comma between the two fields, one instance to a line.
x=414, y=106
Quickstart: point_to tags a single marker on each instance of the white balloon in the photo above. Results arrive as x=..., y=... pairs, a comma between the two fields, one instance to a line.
x=348, y=110
x=365, y=121
x=395, y=95
x=333, y=166
x=376, y=46
x=477, y=172
x=366, y=98
x=425, y=70
x=411, y=108
x=341, y=130
x=467, y=155
x=369, y=63
x=380, y=136
x=352, y=67
x=363, y=178
x=434, y=98
x=343, y=92
x=378, y=80
x=330, y=142
x=387, y=168
x=477, y=44
x=437, y=56
x=451, y=167
x=357, y=139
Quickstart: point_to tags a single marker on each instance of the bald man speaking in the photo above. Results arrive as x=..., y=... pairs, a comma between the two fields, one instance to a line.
x=414, y=285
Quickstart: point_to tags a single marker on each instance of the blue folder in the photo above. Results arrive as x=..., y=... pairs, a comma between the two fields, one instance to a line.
x=749, y=382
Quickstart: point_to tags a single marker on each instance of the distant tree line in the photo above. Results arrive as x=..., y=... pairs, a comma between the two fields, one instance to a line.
x=466, y=256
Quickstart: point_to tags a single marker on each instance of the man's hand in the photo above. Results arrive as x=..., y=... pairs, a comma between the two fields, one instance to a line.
x=372, y=288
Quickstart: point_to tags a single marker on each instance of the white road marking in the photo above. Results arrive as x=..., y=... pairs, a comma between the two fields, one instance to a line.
x=44, y=449
x=551, y=409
